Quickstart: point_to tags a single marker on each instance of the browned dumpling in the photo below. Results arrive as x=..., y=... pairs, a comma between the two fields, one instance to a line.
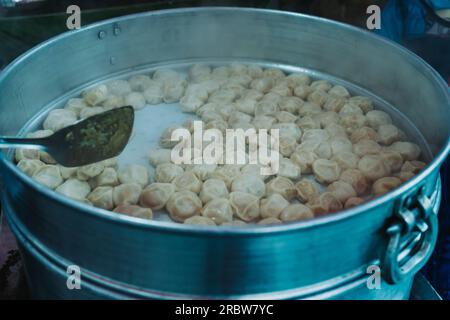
x=290, y=104
x=273, y=73
x=302, y=91
x=75, y=105
x=200, y=221
x=405, y=175
x=377, y=118
x=58, y=119
x=156, y=195
x=388, y=134
x=107, y=178
x=324, y=203
x=118, y=87
x=384, y=185
x=336, y=130
x=323, y=150
x=95, y=95
x=353, y=120
x=235, y=117
x=43, y=156
x=365, y=147
x=340, y=144
x=282, y=90
x=188, y=181
x=295, y=212
x=262, y=84
x=90, y=171
x=183, y=204
x=193, y=99
x=350, y=108
x=245, y=205
x=127, y=193
x=353, y=202
x=307, y=122
x=154, y=94
x=392, y=159
x=67, y=173
x=139, y=82
x=48, y=175
x=346, y=160
x=283, y=186
x=91, y=111
x=273, y=205
x=408, y=150
x=413, y=166
x=326, y=171
x=341, y=190
x=326, y=118
x=364, y=133
x=167, y=172
x=134, y=211
x=285, y=117
x=202, y=171
x=22, y=153
x=253, y=94
x=304, y=159
x=30, y=166
x=102, y=197
x=219, y=210
x=226, y=173
x=287, y=168
x=339, y=91
x=373, y=167
x=263, y=122
x=318, y=135
x=288, y=130
x=307, y=190
x=318, y=97
x=334, y=103
x=249, y=183
x=111, y=102
x=213, y=188
x=74, y=189
x=199, y=72
x=364, y=103
x=309, y=109
x=356, y=178
x=134, y=174
x=287, y=146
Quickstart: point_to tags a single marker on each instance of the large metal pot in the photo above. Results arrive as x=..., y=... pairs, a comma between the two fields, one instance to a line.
x=123, y=257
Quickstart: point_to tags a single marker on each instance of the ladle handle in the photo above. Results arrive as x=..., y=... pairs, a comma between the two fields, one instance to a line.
x=28, y=143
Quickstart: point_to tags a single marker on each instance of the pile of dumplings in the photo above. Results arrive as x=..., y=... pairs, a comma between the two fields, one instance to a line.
x=336, y=150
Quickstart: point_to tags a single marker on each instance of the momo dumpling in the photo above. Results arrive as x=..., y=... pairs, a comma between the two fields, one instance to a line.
x=156, y=195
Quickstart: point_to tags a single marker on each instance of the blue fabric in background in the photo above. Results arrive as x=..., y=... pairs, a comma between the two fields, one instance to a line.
x=406, y=18
x=401, y=20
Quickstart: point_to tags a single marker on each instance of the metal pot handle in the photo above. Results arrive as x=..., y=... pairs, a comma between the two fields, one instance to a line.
x=412, y=236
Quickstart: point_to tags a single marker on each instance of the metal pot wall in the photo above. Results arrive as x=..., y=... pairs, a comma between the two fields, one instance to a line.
x=124, y=257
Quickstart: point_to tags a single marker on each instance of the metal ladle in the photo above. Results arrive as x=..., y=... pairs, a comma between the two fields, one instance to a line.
x=94, y=139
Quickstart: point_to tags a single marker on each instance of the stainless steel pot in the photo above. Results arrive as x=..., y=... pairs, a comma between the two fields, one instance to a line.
x=123, y=257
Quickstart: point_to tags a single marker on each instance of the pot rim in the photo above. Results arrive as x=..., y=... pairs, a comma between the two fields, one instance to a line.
x=249, y=230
